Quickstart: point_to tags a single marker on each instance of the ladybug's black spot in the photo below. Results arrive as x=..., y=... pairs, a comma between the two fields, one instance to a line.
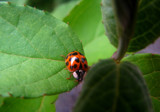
x=69, y=59
x=75, y=66
x=85, y=66
x=75, y=53
x=71, y=67
x=77, y=60
x=67, y=63
x=83, y=59
x=80, y=67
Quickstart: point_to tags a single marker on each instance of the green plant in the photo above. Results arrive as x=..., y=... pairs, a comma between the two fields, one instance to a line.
x=32, y=42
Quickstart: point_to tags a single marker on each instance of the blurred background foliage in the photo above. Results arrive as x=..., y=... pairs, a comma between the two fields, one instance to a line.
x=48, y=5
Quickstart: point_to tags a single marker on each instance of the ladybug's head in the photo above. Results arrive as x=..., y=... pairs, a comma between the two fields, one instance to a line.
x=79, y=74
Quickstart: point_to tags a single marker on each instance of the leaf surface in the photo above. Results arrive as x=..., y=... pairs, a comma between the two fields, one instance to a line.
x=156, y=103
x=114, y=87
x=42, y=104
x=17, y=2
x=61, y=11
x=1, y=101
x=149, y=64
x=31, y=45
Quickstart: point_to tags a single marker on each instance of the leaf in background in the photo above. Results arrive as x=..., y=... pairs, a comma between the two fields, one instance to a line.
x=146, y=28
x=85, y=19
x=125, y=14
x=31, y=45
x=112, y=87
x=149, y=64
x=1, y=100
x=42, y=104
x=47, y=5
x=17, y=2
x=61, y=11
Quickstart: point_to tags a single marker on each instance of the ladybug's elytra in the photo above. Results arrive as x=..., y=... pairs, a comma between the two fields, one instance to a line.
x=76, y=63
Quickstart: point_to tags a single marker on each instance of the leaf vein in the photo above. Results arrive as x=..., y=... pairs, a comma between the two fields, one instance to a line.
x=31, y=57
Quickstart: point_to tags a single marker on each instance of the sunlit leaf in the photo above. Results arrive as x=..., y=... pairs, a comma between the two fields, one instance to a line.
x=32, y=43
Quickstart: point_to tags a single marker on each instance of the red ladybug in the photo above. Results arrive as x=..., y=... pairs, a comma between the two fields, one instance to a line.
x=76, y=63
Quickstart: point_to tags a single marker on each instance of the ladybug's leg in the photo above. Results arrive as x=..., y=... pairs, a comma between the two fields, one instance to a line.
x=63, y=56
x=66, y=68
x=76, y=81
x=69, y=77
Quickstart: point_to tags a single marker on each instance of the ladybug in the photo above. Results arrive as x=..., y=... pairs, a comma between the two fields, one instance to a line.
x=76, y=63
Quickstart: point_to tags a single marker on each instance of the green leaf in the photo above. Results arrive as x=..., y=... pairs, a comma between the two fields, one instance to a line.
x=114, y=87
x=156, y=104
x=150, y=67
x=125, y=14
x=1, y=101
x=146, y=28
x=85, y=19
x=31, y=45
x=17, y=2
x=43, y=104
x=61, y=11
x=47, y=5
